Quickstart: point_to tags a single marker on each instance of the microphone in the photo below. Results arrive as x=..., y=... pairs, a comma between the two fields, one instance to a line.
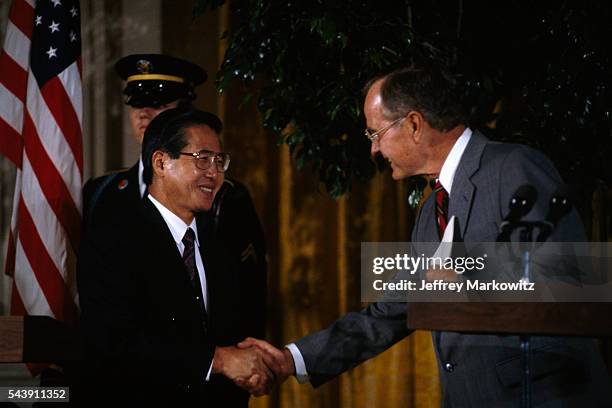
x=521, y=203
x=560, y=205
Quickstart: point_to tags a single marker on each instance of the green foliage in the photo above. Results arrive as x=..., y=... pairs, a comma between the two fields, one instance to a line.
x=546, y=61
x=314, y=58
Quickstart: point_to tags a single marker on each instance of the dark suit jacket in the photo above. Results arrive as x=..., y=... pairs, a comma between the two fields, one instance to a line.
x=476, y=370
x=142, y=325
x=239, y=292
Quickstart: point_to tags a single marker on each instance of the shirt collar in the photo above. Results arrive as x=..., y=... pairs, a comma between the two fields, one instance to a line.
x=175, y=224
x=447, y=174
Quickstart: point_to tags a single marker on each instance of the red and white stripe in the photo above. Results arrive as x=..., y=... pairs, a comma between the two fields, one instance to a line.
x=40, y=131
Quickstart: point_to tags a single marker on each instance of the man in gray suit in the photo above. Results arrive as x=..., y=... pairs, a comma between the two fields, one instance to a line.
x=416, y=120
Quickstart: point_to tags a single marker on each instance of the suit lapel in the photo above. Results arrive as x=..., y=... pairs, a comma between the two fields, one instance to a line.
x=462, y=193
x=163, y=252
x=171, y=262
x=208, y=252
x=426, y=228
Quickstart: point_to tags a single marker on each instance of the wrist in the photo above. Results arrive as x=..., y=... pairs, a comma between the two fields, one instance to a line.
x=289, y=360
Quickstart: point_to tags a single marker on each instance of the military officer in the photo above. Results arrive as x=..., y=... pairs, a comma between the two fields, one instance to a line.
x=153, y=84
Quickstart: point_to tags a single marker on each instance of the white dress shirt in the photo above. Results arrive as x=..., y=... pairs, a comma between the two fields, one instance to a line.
x=447, y=174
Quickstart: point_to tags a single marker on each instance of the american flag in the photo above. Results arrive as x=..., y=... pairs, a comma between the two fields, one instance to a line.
x=40, y=131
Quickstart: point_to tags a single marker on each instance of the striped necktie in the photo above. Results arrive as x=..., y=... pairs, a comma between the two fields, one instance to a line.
x=192, y=270
x=441, y=207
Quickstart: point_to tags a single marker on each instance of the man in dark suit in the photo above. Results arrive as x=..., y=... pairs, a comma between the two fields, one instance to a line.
x=419, y=127
x=153, y=287
x=155, y=83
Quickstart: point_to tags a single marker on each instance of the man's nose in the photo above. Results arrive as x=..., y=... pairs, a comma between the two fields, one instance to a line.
x=212, y=171
x=146, y=112
x=374, y=149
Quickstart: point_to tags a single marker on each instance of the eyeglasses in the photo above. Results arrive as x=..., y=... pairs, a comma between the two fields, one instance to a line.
x=206, y=158
x=375, y=137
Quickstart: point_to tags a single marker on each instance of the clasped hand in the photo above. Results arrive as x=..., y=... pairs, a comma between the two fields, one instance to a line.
x=254, y=365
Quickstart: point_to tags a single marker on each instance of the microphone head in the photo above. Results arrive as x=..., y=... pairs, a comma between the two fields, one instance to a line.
x=522, y=201
x=560, y=204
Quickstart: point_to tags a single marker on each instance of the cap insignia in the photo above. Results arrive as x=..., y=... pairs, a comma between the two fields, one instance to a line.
x=144, y=66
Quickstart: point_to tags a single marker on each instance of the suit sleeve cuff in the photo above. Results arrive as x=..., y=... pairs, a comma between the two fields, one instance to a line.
x=300, y=366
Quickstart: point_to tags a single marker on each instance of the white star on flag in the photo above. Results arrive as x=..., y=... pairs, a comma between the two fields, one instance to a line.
x=73, y=11
x=54, y=27
x=38, y=20
x=72, y=36
x=56, y=3
x=52, y=52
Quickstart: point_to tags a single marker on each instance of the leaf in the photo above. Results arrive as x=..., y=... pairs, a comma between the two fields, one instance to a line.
x=327, y=30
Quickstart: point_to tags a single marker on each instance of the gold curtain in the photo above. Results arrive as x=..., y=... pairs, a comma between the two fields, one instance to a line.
x=314, y=263
x=313, y=241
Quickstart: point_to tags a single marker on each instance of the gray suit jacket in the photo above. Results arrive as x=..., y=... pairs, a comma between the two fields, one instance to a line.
x=476, y=370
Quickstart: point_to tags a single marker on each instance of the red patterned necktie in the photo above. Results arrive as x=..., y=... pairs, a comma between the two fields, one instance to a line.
x=441, y=207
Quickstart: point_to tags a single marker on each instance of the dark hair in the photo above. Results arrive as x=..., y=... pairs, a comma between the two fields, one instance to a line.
x=426, y=87
x=166, y=132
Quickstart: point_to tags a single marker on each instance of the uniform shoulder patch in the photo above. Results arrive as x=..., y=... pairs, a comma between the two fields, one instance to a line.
x=123, y=183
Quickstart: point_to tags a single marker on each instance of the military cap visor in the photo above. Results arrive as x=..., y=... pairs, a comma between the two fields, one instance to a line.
x=156, y=79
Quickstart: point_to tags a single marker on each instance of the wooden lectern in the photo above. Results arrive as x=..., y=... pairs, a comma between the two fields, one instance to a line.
x=522, y=319
x=550, y=319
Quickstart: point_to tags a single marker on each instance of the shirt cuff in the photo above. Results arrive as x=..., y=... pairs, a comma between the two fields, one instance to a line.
x=209, y=370
x=300, y=366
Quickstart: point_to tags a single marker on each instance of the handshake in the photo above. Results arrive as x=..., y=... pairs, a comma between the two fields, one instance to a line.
x=254, y=365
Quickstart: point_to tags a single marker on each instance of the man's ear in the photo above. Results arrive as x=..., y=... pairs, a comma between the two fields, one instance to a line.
x=414, y=123
x=157, y=162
